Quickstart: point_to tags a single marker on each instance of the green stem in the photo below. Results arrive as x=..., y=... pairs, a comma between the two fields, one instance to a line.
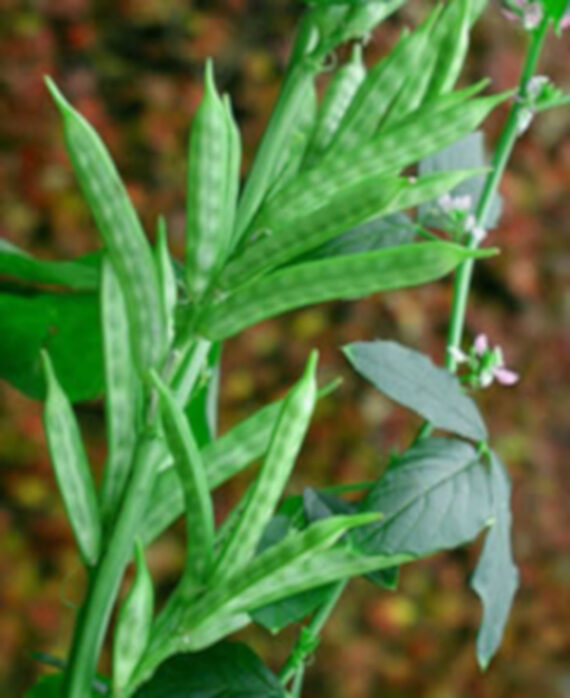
x=296, y=659
x=503, y=152
x=104, y=584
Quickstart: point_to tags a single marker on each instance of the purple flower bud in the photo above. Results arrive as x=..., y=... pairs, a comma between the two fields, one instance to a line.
x=481, y=344
x=504, y=376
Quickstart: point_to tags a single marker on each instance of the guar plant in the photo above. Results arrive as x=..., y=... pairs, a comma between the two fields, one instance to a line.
x=381, y=185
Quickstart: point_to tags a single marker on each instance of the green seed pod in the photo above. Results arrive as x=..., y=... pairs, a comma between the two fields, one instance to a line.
x=133, y=627
x=451, y=40
x=122, y=393
x=300, y=229
x=420, y=73
x=166, y=277
x=284, y=447
x=71, y=467
x=121, y=230
x=198, y=503
x=381, y=87
x=336, y=101
x=223, y=458
x=439, y=123
x=346, y=277
x=235, y=154
x=293, y=154
x=207, y=190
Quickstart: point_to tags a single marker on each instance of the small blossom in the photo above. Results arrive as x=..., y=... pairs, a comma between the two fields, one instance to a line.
x=529, y=13
x=535, y=86
x=525, y=117
x=477, y=232
x=565, y=21
x=458, y=355
x=485, y=364
x=448, y=203
x=481, y=344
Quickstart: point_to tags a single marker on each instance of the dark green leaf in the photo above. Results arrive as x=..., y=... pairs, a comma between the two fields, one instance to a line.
x=280, y=614
x=390, y=231
x=437, y=496
x=320, y=505
x=81, y=274
x=50, y=687
x=468, y=152
x=227, y=670
x=496, y=577
x=412, y=380
x=67, y=325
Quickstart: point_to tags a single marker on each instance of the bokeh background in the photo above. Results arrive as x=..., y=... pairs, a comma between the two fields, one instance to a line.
x=133, y=67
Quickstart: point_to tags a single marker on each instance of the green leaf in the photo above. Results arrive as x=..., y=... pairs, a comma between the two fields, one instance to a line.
x=132, y=630
x=80, y=274
x=392, y=231
x=50, y=686
x=67, y=325
x=71, y=467
x=467, y=152
x=496, y=577
x=411, y=379
x=340, y=278
x=227, y=670
x=436, y=496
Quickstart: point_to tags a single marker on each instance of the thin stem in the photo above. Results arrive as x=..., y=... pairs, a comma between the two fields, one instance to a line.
x=312, y=630
x=503, y=152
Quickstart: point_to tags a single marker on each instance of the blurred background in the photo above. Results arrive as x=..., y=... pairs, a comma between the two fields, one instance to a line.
x=133, y=68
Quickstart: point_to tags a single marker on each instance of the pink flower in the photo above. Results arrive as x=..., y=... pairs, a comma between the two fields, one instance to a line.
x=486, y=365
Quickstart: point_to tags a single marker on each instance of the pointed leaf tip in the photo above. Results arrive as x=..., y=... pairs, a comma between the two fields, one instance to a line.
x=209, y=77
x=56, y=94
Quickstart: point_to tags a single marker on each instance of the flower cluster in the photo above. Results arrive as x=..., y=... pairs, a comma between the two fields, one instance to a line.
x=485, y=364
x=458, y=209
x=529, y=13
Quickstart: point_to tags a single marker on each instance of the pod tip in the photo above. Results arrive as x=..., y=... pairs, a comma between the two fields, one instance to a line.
x=55, y=93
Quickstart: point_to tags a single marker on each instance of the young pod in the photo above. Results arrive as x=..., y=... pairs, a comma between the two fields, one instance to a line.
x=207, y=190
x=166, y=277
x=234, y=172
x=122, y=392
x=198, y=503
x=134, y=621
x=71, y=467
x=285, y=444
x=451, y=40
x=336, y=101
x=121, y=230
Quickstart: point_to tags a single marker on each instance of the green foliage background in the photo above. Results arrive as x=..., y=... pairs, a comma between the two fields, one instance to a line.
x=134, y=69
